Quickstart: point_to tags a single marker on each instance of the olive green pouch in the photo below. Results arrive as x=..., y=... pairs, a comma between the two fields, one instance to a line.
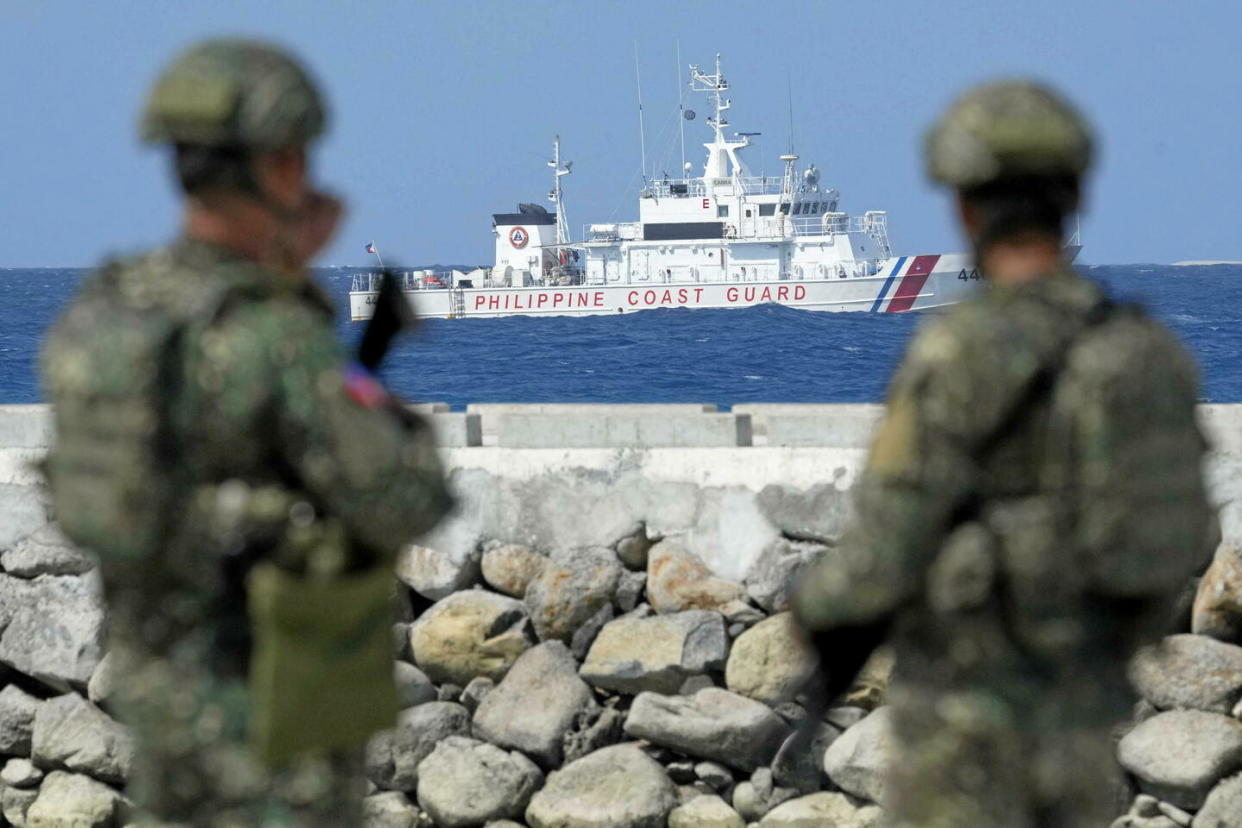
x=321, y=670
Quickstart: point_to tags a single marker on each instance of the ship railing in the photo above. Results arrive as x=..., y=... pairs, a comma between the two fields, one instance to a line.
x=875, y=224
x=407, y=279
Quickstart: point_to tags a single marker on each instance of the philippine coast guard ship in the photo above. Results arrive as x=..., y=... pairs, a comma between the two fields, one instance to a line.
x=723, y=239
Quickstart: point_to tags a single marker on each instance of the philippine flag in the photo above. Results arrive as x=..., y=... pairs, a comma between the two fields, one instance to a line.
x=370, y=247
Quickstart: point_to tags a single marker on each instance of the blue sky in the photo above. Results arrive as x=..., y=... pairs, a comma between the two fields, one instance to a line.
x=444, y=112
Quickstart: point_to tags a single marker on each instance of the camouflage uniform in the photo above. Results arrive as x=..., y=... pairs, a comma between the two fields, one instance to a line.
x=1010, y=656
x=280, y=459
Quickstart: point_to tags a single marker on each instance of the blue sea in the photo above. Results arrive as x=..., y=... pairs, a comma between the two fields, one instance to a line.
x=761, y=354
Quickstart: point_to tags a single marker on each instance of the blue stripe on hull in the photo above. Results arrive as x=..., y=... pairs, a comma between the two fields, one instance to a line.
x=888, y=283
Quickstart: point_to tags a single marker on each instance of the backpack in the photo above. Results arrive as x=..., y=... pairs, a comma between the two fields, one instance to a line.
x=110, y=367
x=1121, y=514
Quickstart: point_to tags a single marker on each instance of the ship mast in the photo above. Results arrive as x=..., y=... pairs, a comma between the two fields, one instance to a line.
x=720, y=151
x=556, y=196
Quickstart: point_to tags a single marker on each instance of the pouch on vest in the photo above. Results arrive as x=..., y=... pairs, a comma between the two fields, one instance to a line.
x=321, y=669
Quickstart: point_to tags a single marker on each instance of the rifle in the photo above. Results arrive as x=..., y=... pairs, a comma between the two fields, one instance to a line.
x=393, y=314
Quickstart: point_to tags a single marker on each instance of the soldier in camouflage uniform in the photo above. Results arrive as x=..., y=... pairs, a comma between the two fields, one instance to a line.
x=284, y=452
x=1012, y=586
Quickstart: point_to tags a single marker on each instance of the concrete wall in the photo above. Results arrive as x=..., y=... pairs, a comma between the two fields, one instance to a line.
x=563, y=475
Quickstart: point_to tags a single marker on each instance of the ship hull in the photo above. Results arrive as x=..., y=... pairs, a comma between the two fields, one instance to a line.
x=902, y=284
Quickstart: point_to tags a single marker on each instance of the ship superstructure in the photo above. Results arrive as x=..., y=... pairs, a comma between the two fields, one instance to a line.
x=725, y=238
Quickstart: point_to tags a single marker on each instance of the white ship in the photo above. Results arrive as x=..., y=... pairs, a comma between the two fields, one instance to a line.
x=723, y=239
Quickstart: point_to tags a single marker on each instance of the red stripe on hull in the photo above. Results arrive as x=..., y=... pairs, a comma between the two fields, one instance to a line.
x=912, y=283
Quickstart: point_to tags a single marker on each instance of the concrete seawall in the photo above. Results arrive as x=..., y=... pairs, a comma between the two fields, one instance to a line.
x=637, y=560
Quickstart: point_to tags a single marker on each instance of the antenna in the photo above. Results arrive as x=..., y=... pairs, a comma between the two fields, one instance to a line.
x=642, y=130
x=789, y=97
x=681, y=108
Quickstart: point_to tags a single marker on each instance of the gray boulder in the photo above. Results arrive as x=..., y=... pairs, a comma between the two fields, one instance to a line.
x=634, y=653
x=470, y=634
x=72, y=799
x=1223, y=806
x=53, y=628
x=473, y=694
x=574, y=587
x=45, y=552
x=536, y=704
x=711, y=724
x=99, y=688
x=1189, y=671
x=630, y=590
x=415, y=736
x=465, y=783
x=858, y=759
x=17, y=715
x=592, y=732
x=771, y=662
x=390, y=809
x=436, y=574
x=632, y=549
x=510, y=567
x=706, y=811
x=1179, y=756
x=413, y=686
x=16, y=802
x=822, y=810
x=617, y=787
x=20, y=773
x=819, y=513
x=771, y=578
x=71, y=732
x=759, y=794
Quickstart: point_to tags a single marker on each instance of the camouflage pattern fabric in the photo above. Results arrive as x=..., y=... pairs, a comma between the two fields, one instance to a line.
x=1010, y=642
x=278, y=461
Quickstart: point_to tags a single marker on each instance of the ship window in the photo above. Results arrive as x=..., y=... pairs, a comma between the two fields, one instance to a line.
x=785, y=208
x=748, y=214
x=722, y=211
x=767, y=209
x=798, y=209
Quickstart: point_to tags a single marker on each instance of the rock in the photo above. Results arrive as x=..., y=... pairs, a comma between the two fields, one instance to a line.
x=799, y=764
x=473, y=694
x=465, y=782
x=401, y=649
x=435, y=574
x=771, y=578
x=470, y=634
x=711, y=724
x=586, y=634
x=574, y=586
x=54, y=629
x=633, y=654
x=391, y=809
x=510, y=567
x=536, y=704
x=845, y=717
x=1189, y=671
x=1223, y=806
x=1179, y=755
x=413, y=686
x=15, y=803
x=632, y=549
x=1218, y=601
x=20, y=773
x=677, y=580
x=589, y=735
x=72, y=799
x=705, y=812
x=99, y=688
x=71, y=732
x=816, y=514
x=617, y=787
x=17, y=715
x=630, y=589
x=377, y=760
x=416, y=734
x=821, y=810
x=45, y=552
x=858, y=759
x=770, y=662
x=449, y=692
x=694, y=684
x=716, y=775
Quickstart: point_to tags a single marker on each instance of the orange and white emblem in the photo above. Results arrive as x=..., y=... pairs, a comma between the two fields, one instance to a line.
x=518, y=237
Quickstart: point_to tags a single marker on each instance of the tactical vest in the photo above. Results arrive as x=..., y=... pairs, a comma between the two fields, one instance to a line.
x=1120, y=510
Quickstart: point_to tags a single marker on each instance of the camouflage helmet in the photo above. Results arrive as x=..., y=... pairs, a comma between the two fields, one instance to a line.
x=1007, y=129
x=233, y=92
